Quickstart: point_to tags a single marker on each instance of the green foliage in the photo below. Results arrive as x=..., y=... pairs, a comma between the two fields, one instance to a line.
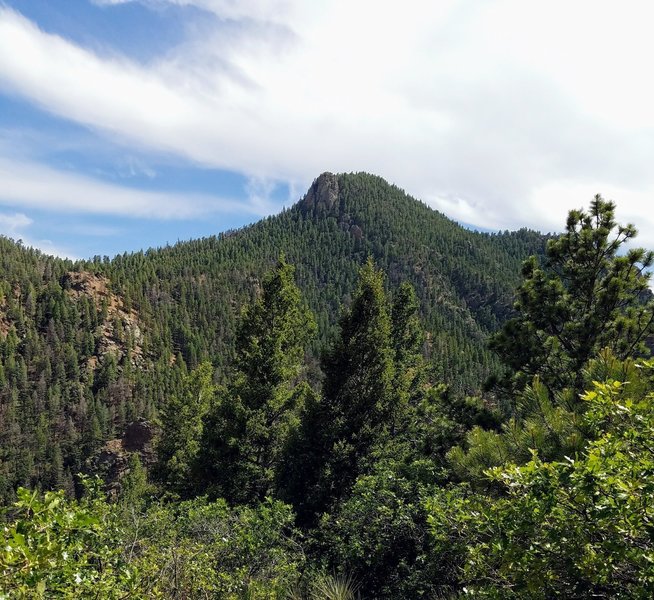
x=359, y=395
x=182, y=427
x=586, y=297
x=585, y=308
x=53, y=547
x=554, y=425
x=87, y=348
x=134, y=485
x=575, y=528
x=340, y=431
x=272, y=335
x=543, y=423
x=245, y=436
x=201, y=549
x=407, y=338
x=379, y=535
x=330, y=587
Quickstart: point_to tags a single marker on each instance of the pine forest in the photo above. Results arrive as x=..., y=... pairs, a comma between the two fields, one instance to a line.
x=357, y=398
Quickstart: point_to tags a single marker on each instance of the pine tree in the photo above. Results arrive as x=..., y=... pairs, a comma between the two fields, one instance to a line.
x=134, y=486
x=359, y=403
x=246, y=434
x=588, y=295
x=182, y=421
x=407, y=338
x=589, y=304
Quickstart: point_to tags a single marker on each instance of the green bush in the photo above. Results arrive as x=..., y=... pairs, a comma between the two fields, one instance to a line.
x=53, y=547
x=576, y=528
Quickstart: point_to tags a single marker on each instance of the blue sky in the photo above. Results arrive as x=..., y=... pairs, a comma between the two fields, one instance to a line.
x=127, y=124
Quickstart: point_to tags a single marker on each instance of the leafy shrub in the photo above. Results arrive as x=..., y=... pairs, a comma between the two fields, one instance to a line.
x=54, y=547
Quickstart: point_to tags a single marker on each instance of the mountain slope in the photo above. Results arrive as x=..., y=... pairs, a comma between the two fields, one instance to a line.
x=87, y=348
x=464, y=279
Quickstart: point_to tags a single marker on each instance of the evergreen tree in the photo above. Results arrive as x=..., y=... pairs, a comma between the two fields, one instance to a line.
x=134, y=486
x=588, y=305
x=359, y=403
x=585, y=297
x=574, y=528
x=407, y=339
x=359, y=395
x=182, y=422
x=246, y=434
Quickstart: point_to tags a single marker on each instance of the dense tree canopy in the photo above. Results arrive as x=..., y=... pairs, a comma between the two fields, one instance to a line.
x=319, y=458
x=87, y=348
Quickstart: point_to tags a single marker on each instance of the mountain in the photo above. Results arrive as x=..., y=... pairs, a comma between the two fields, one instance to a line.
x=87, y=348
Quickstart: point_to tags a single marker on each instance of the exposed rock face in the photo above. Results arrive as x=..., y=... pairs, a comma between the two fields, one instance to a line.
x=138, y=436
x=4, y=322
x=356, y=231
x=112, y=461
x=119, y=323
x=323, y=199
x=323, y=194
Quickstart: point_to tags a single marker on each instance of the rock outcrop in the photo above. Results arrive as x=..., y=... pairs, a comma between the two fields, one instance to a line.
x=120, y=322
x=111, y=463
x=323, y=199
x=322, y=195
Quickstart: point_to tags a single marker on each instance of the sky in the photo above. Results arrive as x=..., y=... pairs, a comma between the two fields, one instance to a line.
x=128, y=124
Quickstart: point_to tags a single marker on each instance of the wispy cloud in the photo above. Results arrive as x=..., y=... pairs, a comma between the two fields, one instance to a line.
x=37, y=186
x=259, y=191
x=11, y=224
x=16, y=226
x=131, y=166
x=498, y=113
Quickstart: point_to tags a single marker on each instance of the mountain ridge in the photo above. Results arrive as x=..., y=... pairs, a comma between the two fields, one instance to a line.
x=64, y=391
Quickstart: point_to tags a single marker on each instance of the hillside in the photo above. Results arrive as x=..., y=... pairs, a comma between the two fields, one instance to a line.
x=464, y=279
x=86, y=348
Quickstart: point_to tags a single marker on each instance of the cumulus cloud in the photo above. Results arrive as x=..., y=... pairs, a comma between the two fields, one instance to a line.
x=501, y=114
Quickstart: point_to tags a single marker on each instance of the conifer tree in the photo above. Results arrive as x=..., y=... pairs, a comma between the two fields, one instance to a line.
x=588, y=304
x=407, y=338
x=181, y=429
x=359, y=392
x=359, y=403
x=246, y=434
x=588, y=295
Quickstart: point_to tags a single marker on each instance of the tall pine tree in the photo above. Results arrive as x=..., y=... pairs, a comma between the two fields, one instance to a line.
x=342, y=434
x=244, y=437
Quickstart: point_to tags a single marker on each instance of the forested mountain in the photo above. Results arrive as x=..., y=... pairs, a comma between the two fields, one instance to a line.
x=88, y=347
x=333, y=458
x=190, y=294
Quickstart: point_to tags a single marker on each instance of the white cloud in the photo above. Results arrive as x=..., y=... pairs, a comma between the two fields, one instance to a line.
x=501, y=114
x=134, y=167
x=34, y=185
x=16, y=225
x=259, y=192
x=10, y=224
x=50, y=247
